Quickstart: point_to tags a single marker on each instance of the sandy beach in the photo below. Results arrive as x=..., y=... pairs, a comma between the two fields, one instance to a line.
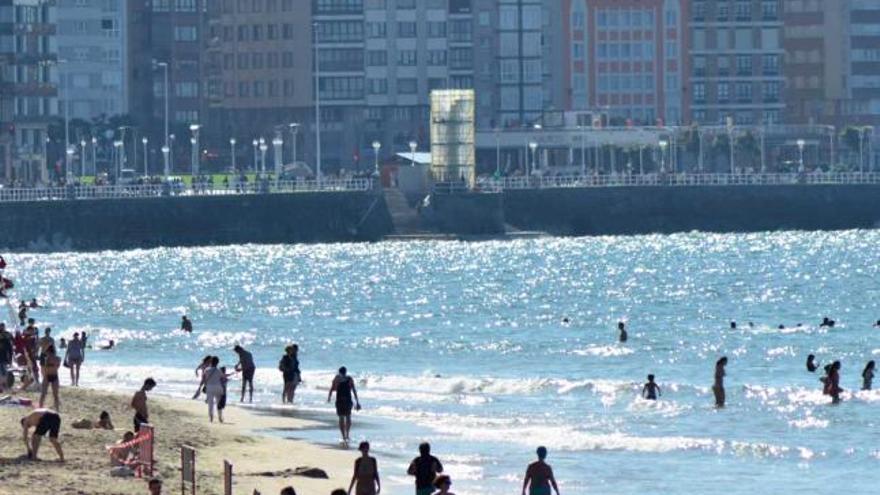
x=245, y=440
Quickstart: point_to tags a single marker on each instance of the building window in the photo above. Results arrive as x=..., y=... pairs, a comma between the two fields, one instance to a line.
x=744, y=65
x=377, y=86
x=406, y=29
x=769, y=10
x=437, y=57
x=771, y=91
x=699, y=93
x=436, y=29
x=407, y=57
x=377, y=58
x=743, y=10
x=185, y=33
x=341, y=88
x=723, y=91
x=744, y=92
x=376, y=30
x=770, y=64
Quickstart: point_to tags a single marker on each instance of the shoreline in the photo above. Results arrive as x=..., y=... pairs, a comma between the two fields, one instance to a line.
x=245, y=440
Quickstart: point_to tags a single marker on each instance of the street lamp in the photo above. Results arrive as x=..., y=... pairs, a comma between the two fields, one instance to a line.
x=194, y=128
x=376, y=147
x=146, y=141
x=294, y=130
x=165, y=152
x=263, y=148
x=533, y=146
x=164, y=66
x=497, y=152
x=412, y=151
x=117, y=145
x=256, y=153
x=800, y=144
x=82, y=158
x=730, y=142
x=277, y=143
x=171, y=138
x=95, y=156
x=232, y=152
x=663, y=144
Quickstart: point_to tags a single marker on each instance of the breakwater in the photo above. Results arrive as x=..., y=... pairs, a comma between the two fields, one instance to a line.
x=126, y=223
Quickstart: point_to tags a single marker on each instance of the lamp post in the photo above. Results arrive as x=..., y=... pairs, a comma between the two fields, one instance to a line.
x=193, y=158
x=165, y=152
x=800, y=144
x=533, y=147
x=171, y=138
x=145, y=142
x=263, y=148
x=232, y=152
x=583, y=135
x=194, y=128
x=641, y=162
x=117, y=145
x=68, y=154
x=95, y=156
x=294, y=130
x=277, y=143
x=256, y=154
x=376, y=147
x=317, y=105
x=663, y=144
x=413, y=146
x=700, y=148
x=82, y=158
x=862, y=132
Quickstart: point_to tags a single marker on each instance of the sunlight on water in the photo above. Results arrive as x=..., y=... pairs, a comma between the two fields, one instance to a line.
x=492, y=348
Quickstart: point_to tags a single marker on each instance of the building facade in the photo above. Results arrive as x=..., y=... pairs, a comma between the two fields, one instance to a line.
x=28, y=95
x=258, y=69
x=627, y=57
x=92, y=41
x=737, y=61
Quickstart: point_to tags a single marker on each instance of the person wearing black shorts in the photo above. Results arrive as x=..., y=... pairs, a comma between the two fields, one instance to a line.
x=248, y=368
x=343, y=385
x=43, y=421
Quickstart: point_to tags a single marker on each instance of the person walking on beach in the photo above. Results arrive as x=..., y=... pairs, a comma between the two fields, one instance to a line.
x=248, y=368
x=344, y=387
x=718, y=386
x=425, y=468
x=621, y=326
x=539, y=476
x=366, y=473
x=289, y=367
x=51, y=363
x=74, y=357
x=868, y=375
x=186, y=324
x=200, y=369
x=213, y=383
x=139, y=404
x=43, y=421
x=651, y=390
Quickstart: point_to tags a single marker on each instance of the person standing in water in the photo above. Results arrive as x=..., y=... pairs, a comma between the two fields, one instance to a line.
x=832, y=382
x=366, y=473
x=812, y=365
x=186, y=324
x=539, y=476
x=344, y=387
x=248, y=368
x=718, y=386
x=651, y=390
x=74, y=358
x=868, y=375
x=623, y=335
x=289, y=367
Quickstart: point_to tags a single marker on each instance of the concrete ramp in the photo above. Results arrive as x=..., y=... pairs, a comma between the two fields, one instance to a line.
x=404, y=217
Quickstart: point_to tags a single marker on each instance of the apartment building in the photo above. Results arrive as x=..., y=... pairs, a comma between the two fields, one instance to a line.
x=92, y=45
x=737, y=61
x=28, y=95
x=627, y=58
x=258, y=70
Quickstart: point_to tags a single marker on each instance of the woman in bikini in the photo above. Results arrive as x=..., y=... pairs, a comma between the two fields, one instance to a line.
x=366, y=473
x=50, y=376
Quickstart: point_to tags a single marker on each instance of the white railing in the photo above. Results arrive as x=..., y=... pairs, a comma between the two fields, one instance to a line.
x=579, y=181
x=180, y=189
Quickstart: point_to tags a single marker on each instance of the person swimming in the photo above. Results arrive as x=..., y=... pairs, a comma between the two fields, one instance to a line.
x=186, y=324
x=651, y=390
x=106, y=347
x=827, y=322
x=623, y=335
x=733, y=325
x=812, y=365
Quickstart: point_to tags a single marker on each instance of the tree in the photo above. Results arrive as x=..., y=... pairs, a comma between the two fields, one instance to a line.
x=851, y=137
x=749, y=150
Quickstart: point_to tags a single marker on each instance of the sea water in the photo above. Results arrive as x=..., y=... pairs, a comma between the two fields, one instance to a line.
x=466, y=345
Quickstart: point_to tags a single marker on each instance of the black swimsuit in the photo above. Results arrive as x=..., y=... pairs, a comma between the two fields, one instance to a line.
x=50, y=423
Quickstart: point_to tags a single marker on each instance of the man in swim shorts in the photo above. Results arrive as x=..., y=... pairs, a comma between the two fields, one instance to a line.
x=139, y=404
x=343, y=385
x=539, y=476
x=248, y=368
x=44, y=421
